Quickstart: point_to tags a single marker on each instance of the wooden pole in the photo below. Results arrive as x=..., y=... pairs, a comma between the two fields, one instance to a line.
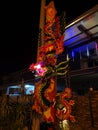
x=41, y=26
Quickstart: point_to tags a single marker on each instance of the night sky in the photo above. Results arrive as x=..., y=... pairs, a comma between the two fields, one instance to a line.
x=19, y=30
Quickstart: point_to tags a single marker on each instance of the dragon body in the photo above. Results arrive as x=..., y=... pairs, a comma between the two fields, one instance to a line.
x=47, y=69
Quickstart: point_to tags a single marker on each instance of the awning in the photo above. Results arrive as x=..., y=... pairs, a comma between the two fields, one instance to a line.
x=82, y=31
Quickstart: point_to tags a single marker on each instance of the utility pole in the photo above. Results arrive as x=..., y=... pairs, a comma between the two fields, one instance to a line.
x=36, y=117
x=41, y=26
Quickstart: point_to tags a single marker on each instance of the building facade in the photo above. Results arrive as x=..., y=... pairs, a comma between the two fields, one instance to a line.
x=81, y=46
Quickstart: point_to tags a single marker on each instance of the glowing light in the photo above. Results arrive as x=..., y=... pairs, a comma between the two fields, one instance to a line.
x=87, y=52
x=41, y=71
x=37, y=66
x=67, y=57
x=29, y=88
x=73, y=55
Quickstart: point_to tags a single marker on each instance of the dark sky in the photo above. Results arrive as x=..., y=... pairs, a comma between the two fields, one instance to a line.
x=19, y=30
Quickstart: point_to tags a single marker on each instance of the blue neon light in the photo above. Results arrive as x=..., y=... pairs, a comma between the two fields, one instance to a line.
x=73, y=54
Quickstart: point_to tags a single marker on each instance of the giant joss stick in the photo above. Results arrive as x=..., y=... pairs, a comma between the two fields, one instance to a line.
x=46, y=69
